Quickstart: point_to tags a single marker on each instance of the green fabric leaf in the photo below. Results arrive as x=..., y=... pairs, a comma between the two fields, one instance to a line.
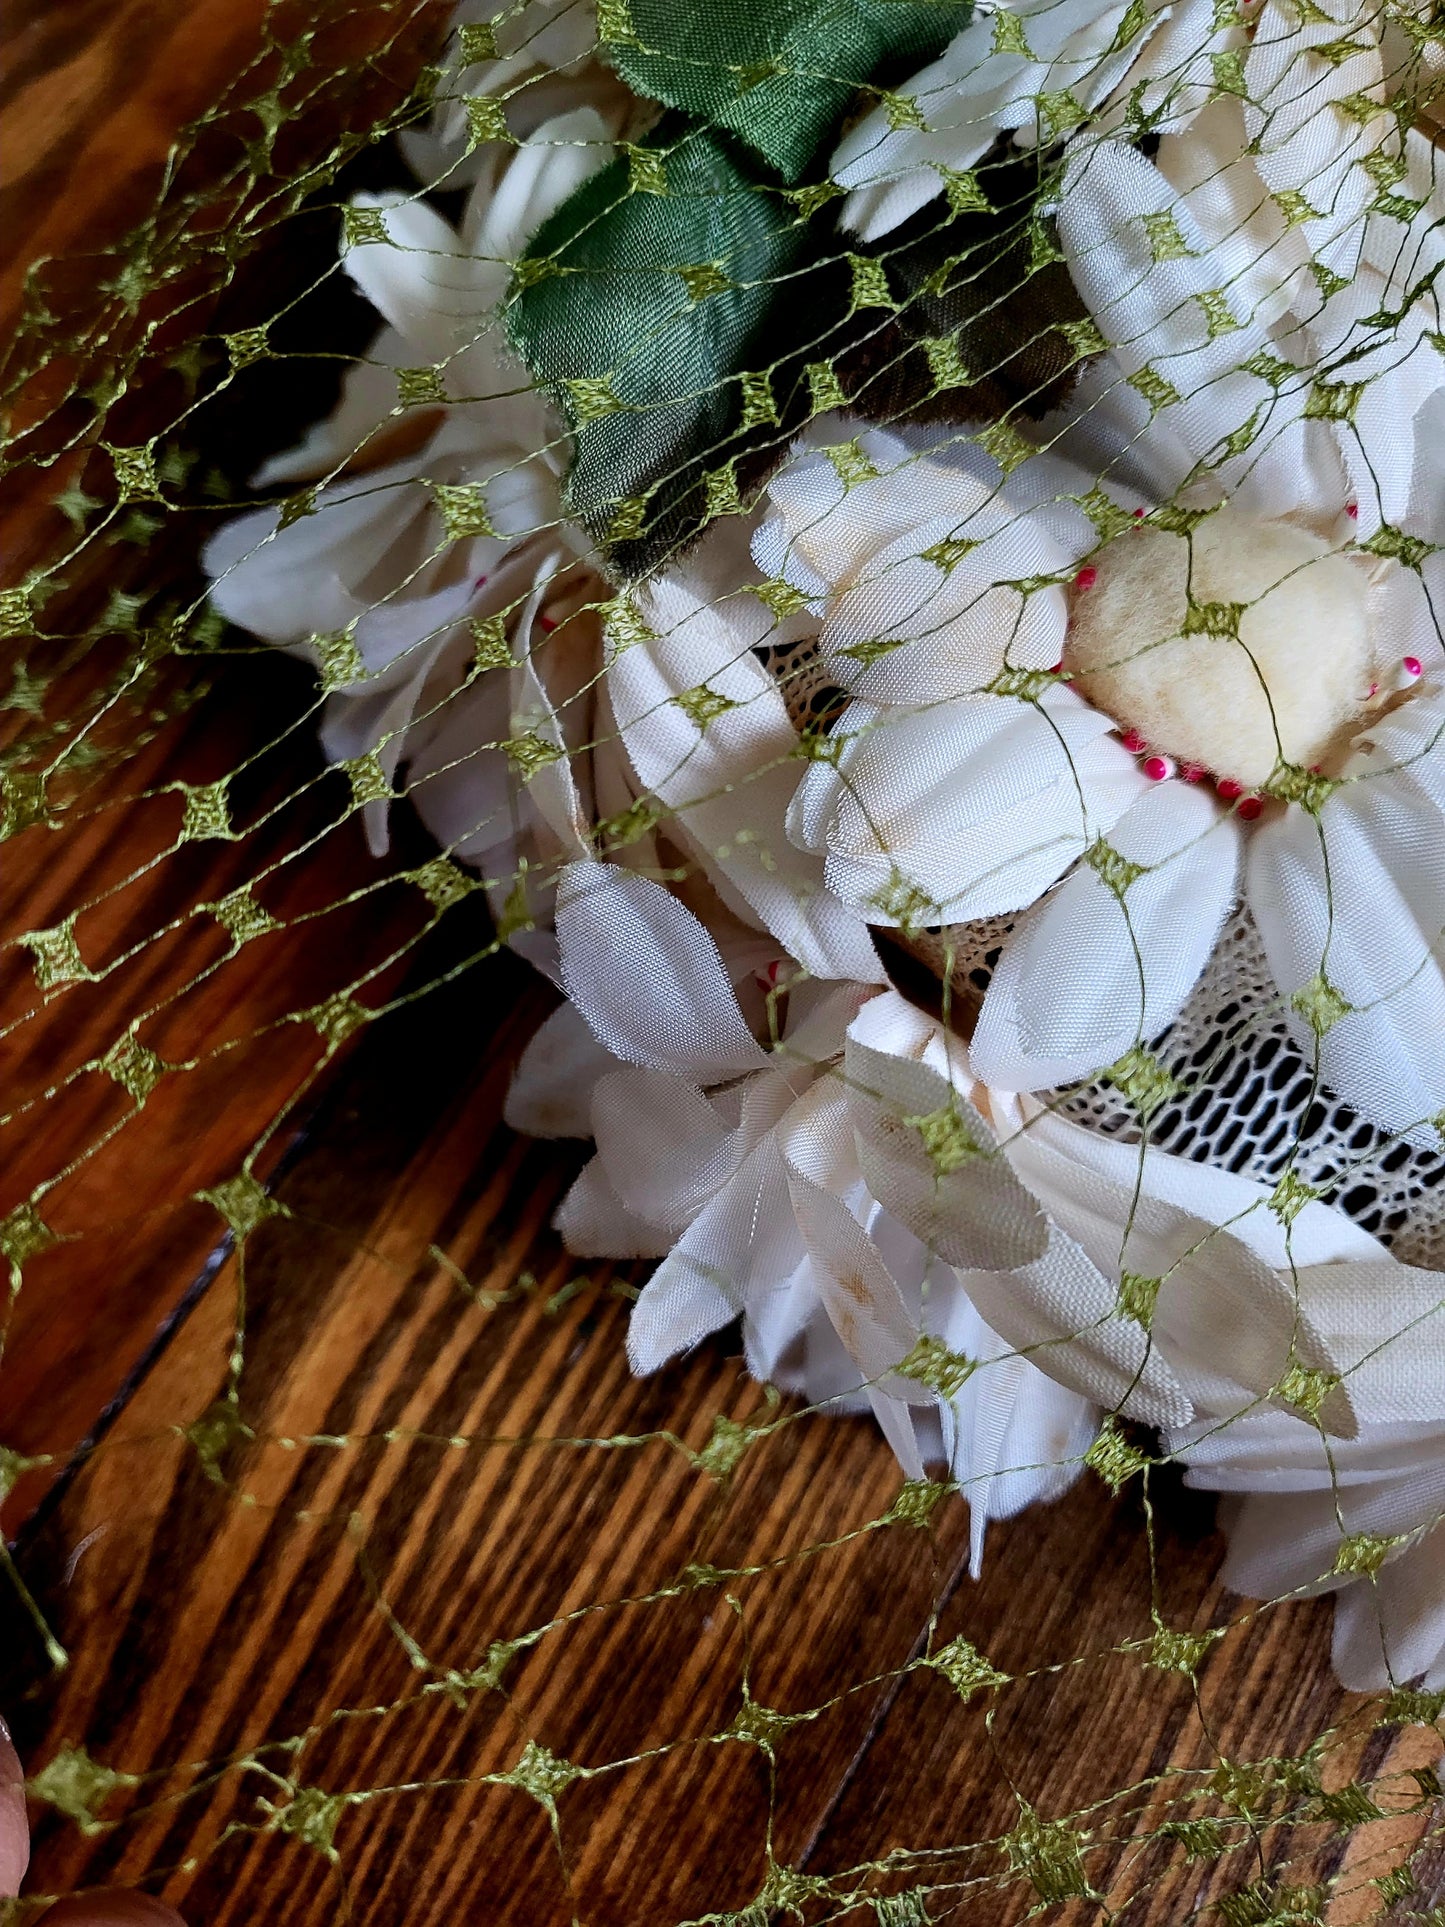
x=778, y=74
x=642, y=309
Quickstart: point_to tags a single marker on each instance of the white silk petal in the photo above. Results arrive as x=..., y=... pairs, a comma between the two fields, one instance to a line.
x=960, y=1197
x=1018, y=1439
x=1140, y=260
x=1395, y=1629
x=860, y=1294
x=911, y=631
x=647, y=976
x=551, y=1090
x=1352, y=906
x=730, y=784
x=437, y=296
x=1090, y=972
x=969, y=809
x=1062, y=1312
x=595, y=1223
x=14, y=1826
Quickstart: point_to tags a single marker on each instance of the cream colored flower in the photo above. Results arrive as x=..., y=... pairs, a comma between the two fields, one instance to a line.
x=1208, y=660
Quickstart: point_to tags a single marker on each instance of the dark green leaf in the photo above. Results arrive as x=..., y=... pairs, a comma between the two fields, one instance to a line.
x=778, y=74
x=643, y=309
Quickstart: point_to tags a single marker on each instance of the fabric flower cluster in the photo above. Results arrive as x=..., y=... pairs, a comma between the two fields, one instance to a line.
x=1063, y=694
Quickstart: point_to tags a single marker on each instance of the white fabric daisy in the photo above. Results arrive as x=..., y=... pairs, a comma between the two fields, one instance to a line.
x=852, y=1189
x=732, y=1164
x=1365, y=1517
x=1036, y=71
x=373, y=563
x=1042, y=669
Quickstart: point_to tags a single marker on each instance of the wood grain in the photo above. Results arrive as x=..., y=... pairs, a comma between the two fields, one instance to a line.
x=284, y=1626
x=316, y=1620
x=97, y=105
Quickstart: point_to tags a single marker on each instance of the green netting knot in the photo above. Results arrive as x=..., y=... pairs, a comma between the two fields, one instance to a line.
x=1366, y=1552
x=442, y=882
x=241, y=917
x=729, y=1440
x=1320, y=1004
x=701, y=705
x=1200, y=1839
x=1266, y=1903
x=337, y=1017
x=901, y=900
x=57, y=955
x=948, y=1138
x=1412, y=1706
x=1143, y=1080
x=1239, y=1785
x=1179, y=1652
x=77, y=1786
x=206, y=813
x=1115, y=871
x=541, y=1773
x=219, y=1428
x=311, y=1816
x=917, y=1501
x=965, y=1668
x=1048, y=1855
x=932, y=1364
x=133, y=1066
x=22, y=801
x=1113, y=1456
x=23, y=1234
x=136, y=479
x=760, y=1725
x=243, y=1202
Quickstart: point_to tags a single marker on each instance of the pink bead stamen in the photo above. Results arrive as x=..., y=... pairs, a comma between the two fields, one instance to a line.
x=1157, y=768
x=1134, y=742
x=1413, y=667
x=546, y=623
x=1352, y=509
x=1192, y=772
x=1227, y=788
x=1086, y=578
x=1250, y=807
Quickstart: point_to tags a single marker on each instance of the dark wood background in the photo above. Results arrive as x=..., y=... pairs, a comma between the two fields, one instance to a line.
x=310, y=1635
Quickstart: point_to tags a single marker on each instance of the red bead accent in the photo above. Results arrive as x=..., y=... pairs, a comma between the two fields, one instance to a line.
x=1352, y=509
x=1250, y=807
x=1134, y=742
x=1228, y=788
x=1413, y=666
x=1086, y=578
x=546, y=623
x=1192, y=772
x=1156, y=768
x=1138, y=515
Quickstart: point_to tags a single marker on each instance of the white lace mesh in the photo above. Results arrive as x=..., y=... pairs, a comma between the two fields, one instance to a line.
x=1250, y=1104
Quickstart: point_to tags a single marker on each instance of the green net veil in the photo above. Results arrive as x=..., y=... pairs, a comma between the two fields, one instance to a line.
x=722, y=778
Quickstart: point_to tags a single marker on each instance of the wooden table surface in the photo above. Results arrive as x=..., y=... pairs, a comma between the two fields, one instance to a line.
x=445, y=1618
